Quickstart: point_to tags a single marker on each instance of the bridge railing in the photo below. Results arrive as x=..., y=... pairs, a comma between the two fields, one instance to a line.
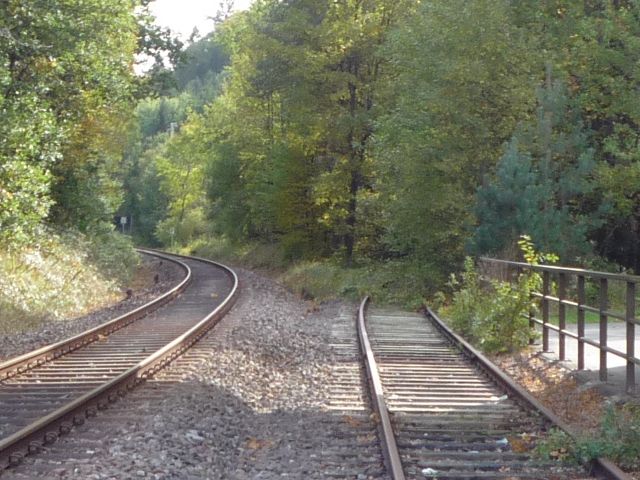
x=568, y=291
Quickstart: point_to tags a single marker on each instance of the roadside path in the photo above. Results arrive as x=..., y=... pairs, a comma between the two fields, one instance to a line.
x=616, y=366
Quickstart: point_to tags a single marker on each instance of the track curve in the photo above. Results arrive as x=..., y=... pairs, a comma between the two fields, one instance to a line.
x=43, y=394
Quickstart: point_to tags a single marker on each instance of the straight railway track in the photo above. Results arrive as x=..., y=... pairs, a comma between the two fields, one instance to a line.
x=445, y=412
x=43, y=394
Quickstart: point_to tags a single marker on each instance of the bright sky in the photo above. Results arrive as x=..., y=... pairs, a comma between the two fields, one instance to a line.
x=182, y=16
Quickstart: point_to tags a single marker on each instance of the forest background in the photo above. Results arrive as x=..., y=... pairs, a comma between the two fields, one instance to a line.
x=354, y=146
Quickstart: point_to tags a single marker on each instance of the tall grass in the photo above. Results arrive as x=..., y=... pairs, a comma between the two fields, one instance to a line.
x=63, y=275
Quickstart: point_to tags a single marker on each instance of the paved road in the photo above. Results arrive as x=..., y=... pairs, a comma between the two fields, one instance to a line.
x=617, y=338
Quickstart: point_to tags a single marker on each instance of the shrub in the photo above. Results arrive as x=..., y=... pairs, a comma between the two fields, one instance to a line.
x=111, y=252
x=618, y=439
x=491, y=314
x=389, y=283
x=62, y=276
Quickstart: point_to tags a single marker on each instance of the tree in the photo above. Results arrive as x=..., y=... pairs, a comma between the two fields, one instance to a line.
x=543, y=183
x=181, y=169
x=300, y=99
x=462, y=76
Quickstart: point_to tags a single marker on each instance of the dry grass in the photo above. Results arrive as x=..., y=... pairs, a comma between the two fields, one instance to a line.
x=50, y=282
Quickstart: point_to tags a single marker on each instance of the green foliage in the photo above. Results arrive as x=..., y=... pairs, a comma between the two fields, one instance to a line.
x=384, y=132
x=152, y=178
x=493, y=316
x=292, y=128
x=205, y=59
x=111, y=253
x=462, y=76
x=144, y=200
x=66, y=86
x=542, y=181
x=62, y=276
x=391, y=282
x=556, y=445
x=618, y=439
x=387, y=283
x=24, y=200
x=155, y=115
x=532, y=256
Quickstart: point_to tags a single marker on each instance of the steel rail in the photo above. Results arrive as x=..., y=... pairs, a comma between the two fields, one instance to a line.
x=601, y=467
x=40, y=356
x=390, y=452
x=31, y=438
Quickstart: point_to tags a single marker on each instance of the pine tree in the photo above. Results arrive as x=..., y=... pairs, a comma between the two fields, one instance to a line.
x=541, y=184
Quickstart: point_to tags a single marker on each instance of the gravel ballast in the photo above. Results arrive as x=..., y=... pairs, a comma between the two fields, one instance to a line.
x=248, y=402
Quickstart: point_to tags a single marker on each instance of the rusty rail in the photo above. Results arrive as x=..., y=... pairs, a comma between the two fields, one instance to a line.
x=601, y=467
x=23, y=363
x=390, y=452
x=46, y=430
x=563, y=278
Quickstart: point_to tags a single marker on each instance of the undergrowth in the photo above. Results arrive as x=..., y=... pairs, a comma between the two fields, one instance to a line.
x=617, y=439
x=397, y=282
x=491, y=313
x=62, y=275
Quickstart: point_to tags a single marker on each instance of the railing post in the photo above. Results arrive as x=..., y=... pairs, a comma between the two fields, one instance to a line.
x=631, y=337
x=532, y=324
x=545, y=310
x=582, y=299
x=604, y=305
x=562, y=319
x=531, y=314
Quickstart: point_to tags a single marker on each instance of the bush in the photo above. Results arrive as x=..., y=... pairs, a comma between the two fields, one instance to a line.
x=492, y=316
x=181, y=231
x=390, y=283
x=62, y=276
x=215, y=248
x=112, y=253
x=618, y=439
x=405, y=282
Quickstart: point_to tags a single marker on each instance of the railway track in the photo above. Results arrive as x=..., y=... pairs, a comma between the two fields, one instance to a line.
x=445, y=412
x=45, y=393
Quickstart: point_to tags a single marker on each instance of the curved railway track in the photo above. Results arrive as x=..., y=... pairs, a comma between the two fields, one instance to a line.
x=46, y=392
x=444, y=411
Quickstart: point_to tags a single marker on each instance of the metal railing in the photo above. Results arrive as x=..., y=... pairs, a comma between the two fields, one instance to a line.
x=566, y=288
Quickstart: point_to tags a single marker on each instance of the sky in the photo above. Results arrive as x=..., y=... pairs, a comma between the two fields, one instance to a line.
x=182, y=16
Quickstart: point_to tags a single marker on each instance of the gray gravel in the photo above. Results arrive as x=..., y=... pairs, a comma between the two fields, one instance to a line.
x=169, y=275
x=248, y=402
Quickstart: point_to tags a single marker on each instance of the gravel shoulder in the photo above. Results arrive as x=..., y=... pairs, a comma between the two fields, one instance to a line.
x=143, y=289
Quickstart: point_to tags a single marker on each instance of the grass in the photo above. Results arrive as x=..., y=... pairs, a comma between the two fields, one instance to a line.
x=62, y=276
x=571, y=316
x=391, y=282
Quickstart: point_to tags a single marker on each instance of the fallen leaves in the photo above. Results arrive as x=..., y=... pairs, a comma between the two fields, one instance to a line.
x=254, y=443
x=352, y=422
x=555, y=388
